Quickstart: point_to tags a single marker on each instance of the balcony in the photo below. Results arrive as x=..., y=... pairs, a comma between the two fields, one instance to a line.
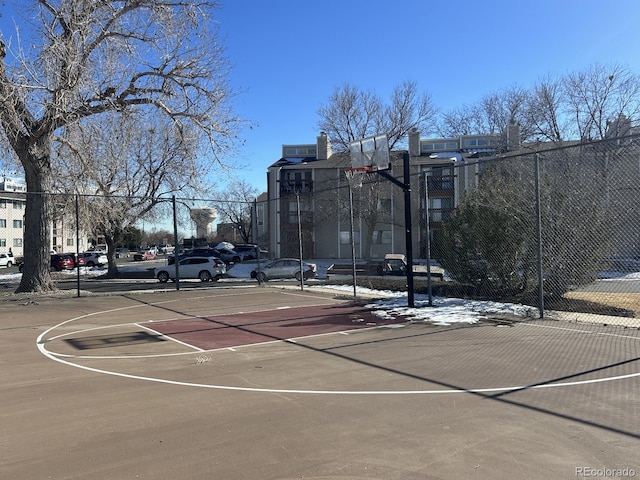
x=288, y=187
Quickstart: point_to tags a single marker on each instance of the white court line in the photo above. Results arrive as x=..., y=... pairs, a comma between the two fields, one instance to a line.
x=58, y=358
x=153, y=304
x=293, y=340
x=334, y=392
x=162, y=335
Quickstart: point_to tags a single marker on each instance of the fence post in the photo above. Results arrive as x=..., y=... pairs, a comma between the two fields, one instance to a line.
x=77, y=259
x=539, y=237
x=176, y=250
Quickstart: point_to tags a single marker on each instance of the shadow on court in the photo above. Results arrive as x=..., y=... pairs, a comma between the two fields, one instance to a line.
x=158, y=386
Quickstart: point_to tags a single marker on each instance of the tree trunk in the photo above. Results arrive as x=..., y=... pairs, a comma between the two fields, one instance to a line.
x=110, y=239
x=36, y=273
x=367, y=241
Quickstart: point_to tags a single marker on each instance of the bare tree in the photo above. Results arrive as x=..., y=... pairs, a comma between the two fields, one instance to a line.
x=235, y=206
x=506, y=108
x=351, y=114
x=490, y=116
x=88, y=58
x=464, y=120
x=408, y=110
x=545, y=110
x=580, y=105
x=123, y=167
x=600, y=94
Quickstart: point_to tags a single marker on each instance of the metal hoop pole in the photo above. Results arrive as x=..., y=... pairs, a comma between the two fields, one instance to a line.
x=353, y=244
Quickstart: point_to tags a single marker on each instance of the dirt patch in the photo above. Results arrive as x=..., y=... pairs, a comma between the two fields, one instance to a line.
x=625, y=301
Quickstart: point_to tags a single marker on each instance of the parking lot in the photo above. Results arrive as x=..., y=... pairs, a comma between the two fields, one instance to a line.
x=274, y=383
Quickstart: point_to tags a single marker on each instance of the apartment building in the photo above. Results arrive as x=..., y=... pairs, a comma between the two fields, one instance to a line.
x=13, y=199
x=309, y=206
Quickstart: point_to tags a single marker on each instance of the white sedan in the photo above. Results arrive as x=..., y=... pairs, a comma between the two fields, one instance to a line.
x=94, y=258
x=203, y=268
x=285, y=268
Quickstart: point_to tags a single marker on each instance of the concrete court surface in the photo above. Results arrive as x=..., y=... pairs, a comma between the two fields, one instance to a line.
x=91, y=389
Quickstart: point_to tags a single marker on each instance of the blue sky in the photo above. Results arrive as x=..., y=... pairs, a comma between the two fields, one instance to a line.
x=289, y=55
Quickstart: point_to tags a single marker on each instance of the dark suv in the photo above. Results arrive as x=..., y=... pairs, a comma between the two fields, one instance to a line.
x=250, y=251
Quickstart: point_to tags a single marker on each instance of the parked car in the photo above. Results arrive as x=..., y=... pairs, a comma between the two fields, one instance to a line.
x=396, y=264
x=230, y=256
x=123, y=252
x=143, y=255
x=94, y=258
x=62, y=261
x=204, y=268
x=79, y=260
x=284, y=268
x=6, y=260
x=250, y=251
x=194, y=252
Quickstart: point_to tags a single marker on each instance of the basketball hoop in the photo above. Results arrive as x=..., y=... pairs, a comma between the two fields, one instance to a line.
x=370, y=152
x=356, y=176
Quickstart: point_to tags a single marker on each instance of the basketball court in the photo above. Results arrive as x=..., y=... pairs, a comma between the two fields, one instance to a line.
x=279, y=384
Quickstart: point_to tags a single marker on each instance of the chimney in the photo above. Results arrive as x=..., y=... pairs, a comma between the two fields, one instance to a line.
x=620, y=127
x=414, y=143
x=324, y=147
x=513, y=136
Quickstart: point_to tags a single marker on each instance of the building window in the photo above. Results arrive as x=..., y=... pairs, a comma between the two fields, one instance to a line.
x=3, y=203
x=3, y=242
x=17, y=205
x=345, y=237
x=296, y=181
x=17, y=224
x=3, y=223
x=478, y=142
x=382, y=237
x=440, y=178
x=440, y=209
x=300, y=151
x=384, y=205
x=17, y=242
x=443, y=146
x=305, y=211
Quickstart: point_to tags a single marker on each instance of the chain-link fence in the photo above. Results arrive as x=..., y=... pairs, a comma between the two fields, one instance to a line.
x=555, y=227
x=115, y=236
